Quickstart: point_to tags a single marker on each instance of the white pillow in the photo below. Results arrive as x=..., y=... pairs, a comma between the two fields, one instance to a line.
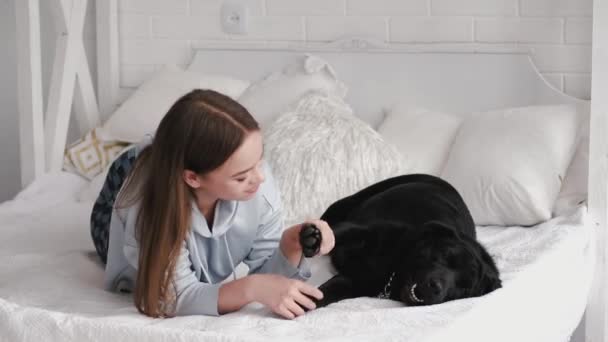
x=142, y=111
x=423, y=136
x=509, y=164
x=574, y=188
x=320, y=152
x=91, y=190
x=272, y=95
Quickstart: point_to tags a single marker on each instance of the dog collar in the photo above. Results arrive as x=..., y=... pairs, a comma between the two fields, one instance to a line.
x=386, y=292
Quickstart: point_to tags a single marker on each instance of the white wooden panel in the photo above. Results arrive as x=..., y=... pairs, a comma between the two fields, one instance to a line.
x=85, y=100
x=596, y=320
x=31, y=125
x=107, y=55
x=61, y=93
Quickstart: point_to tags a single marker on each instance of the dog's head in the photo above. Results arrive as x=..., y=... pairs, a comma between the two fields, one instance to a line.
x=435, y=264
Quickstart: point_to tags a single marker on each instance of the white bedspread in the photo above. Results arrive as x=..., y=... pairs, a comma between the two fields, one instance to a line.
x=50, y=288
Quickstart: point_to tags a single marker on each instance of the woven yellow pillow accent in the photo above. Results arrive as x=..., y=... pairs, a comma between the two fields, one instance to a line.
x=90, y=155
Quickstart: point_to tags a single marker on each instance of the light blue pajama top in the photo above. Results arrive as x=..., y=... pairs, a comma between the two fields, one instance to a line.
x=243, y=231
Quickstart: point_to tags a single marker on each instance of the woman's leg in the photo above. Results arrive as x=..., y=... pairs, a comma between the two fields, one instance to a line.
x=102, y=209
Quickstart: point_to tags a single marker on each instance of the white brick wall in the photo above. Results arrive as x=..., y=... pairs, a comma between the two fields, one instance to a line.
x=550, y=8
x=431, y=29
x=536, y=30
x=134, y=26
x=557, y=32
x=212, y=7
x=323, y=28
x=154, y=52
x=307, y=7
x=578, y=30
x=474, y=7
x=160, y=7
x=187, y=27
x=387, y=7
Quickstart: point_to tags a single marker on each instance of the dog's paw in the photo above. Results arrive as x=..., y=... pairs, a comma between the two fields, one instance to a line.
x=310, y=239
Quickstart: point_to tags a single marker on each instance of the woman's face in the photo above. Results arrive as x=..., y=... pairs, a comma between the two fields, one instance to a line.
x=240, y=176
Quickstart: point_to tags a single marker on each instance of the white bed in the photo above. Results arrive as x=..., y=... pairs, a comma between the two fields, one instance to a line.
x=51, y=284
x=51, y=288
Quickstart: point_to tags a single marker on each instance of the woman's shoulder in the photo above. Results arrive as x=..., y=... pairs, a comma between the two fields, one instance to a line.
x=143, y=143
x=127, y=212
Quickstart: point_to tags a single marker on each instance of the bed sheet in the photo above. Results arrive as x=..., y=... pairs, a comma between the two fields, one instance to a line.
x=51, y=287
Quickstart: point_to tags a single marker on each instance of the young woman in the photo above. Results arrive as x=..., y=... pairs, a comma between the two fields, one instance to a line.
x=198, y=199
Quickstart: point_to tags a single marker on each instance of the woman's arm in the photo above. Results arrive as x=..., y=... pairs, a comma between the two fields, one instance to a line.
x=193, y=297
x=234, y=295
x=279, y=251
x=284, y=296
x=290, y=245
x=266, y=255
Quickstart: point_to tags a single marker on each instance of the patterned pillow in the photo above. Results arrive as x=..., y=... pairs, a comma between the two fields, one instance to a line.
x=90, y=155
x=320, y=152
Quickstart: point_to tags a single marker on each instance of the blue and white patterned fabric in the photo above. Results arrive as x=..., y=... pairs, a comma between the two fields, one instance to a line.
x=102, y=209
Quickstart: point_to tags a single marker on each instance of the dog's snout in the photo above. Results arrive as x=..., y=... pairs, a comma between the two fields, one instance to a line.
x=434, y=286
x=426, y=292
x=430, y=290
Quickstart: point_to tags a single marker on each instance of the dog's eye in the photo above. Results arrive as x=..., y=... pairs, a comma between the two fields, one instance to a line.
x=435, y=258
x=459, y=261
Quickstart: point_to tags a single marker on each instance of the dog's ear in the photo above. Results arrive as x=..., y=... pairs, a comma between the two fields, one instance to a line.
x=490, y=277
x=439, y=229
x=490, y=283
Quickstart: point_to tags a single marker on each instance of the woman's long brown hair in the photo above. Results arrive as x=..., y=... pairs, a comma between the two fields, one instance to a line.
x=199, y=133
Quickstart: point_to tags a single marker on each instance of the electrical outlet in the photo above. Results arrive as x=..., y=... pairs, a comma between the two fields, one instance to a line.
x=234, y=17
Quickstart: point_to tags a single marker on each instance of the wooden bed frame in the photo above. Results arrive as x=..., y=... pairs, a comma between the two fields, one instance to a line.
x=43, y=131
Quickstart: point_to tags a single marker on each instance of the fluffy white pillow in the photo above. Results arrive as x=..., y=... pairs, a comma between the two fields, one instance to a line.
x=142, y=111
x=424, y=137
x=509, y=164
x=272, y=95
x=320, y=152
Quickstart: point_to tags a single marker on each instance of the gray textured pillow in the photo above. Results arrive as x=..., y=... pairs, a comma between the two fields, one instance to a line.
x=320, y=152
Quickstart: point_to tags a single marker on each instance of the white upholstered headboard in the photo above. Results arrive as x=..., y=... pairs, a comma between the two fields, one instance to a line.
x=377, y=77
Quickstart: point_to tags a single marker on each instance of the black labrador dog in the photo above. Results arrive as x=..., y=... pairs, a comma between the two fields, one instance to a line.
x=409, y=238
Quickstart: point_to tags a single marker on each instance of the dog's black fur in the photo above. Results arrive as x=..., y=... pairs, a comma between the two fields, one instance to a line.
x=416, y=228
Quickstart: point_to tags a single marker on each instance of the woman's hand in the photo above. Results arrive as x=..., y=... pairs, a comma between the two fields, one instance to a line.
x=285, y=297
